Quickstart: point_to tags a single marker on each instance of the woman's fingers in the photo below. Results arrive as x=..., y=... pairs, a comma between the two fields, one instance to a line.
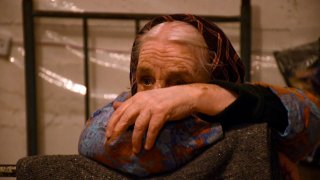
x=116, y=104
x=140, y=128
x=116, y=117
x=155, y=125
x=148, y=111
x=127, y=118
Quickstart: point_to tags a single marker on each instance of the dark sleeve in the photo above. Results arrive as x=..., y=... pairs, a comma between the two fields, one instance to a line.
x=255, y=104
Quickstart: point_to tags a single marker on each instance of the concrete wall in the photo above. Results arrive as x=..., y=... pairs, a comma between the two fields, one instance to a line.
x=276, y=25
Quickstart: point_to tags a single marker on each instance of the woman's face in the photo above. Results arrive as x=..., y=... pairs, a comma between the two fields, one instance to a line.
x=164, y=63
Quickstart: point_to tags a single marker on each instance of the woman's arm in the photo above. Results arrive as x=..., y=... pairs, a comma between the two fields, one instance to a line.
x=294, y=114
x=228, y=103
x=177, y=143
x=149, y=110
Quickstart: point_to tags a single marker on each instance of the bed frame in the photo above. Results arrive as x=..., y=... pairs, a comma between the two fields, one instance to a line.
x=29, y=27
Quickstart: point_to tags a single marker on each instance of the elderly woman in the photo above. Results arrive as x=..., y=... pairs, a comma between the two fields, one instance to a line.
x=186, y=88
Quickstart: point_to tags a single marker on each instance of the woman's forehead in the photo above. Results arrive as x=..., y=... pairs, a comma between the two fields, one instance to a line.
x=175, y=31
x=167, y=59
x=166, y=53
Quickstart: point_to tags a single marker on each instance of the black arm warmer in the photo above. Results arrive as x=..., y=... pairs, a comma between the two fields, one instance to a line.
x=255, y=104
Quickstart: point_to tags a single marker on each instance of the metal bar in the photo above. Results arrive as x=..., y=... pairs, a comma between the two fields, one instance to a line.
x=30, y=78
x=245, y=31
x=121, y=16
x=86, y=67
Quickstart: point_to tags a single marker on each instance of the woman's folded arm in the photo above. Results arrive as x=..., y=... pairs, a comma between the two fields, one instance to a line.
x=293, y=113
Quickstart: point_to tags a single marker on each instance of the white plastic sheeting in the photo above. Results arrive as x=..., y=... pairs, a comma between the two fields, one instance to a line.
x=113, y=60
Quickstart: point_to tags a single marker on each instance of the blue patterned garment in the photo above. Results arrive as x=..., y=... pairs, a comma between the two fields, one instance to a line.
x=178, y=142
x=303, y=132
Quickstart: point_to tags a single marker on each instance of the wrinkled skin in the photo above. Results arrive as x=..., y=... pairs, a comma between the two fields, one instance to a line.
x=170, y=87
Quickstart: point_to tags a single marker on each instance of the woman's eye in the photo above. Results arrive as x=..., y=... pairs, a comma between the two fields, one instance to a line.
x=147, y=81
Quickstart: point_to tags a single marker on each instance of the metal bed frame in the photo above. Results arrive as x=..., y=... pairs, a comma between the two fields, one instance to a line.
x=29, y=26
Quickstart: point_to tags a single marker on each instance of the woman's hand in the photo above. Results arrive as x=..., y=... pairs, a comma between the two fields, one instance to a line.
x=150, y=110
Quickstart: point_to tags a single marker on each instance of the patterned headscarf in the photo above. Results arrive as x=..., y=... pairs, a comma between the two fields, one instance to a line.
x=225, y=62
